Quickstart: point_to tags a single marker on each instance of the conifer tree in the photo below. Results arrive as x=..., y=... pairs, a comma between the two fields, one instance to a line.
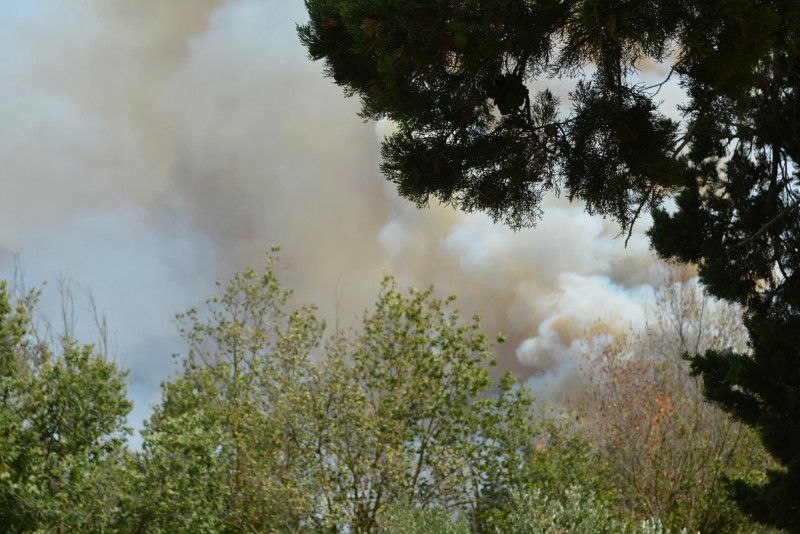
x=457, y=78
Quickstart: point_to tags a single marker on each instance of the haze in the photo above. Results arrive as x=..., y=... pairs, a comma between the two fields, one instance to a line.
x=148, y=148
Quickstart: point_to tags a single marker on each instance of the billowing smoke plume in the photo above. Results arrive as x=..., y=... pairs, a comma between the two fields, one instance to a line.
x=149, y=147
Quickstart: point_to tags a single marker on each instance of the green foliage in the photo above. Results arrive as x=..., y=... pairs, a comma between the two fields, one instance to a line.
x=267, y=429
x=453, y=76
x=570, y=510
x=62, y=433
x=216, y=457
x=413, y=520
x=181, y=485
x=560, y=460
x=422, y=371
x=573, y=509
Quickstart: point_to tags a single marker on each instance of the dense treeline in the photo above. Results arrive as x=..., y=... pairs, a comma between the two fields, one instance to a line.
x=273, y=424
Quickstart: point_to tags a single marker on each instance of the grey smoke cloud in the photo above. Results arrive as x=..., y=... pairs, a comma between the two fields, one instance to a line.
x=149, y=147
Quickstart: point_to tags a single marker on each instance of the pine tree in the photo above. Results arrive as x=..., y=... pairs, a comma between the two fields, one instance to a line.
x=456, y=77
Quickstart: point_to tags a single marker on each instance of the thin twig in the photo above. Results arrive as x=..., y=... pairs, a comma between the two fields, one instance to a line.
x=660, y=85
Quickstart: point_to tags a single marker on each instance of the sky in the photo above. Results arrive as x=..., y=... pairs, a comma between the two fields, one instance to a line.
x=151, y=147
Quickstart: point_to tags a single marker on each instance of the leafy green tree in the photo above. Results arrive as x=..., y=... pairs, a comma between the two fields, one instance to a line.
x=456, y=78
x=267, y=429
x=215, y=456
x=62, y=432
x=403, y=415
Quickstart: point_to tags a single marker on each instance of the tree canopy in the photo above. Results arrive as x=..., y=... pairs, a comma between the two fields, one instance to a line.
x=63, y=411
x=469, y=84
x=453, y=75
x=268, y=429
x=395, y=426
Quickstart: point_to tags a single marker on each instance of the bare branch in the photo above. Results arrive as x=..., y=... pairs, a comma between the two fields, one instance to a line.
x=686, y=138
x=783, y=213
x=661, y=84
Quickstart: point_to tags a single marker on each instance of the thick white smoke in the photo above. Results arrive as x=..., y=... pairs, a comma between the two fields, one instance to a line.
x=149, y=147
x=550, y=289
